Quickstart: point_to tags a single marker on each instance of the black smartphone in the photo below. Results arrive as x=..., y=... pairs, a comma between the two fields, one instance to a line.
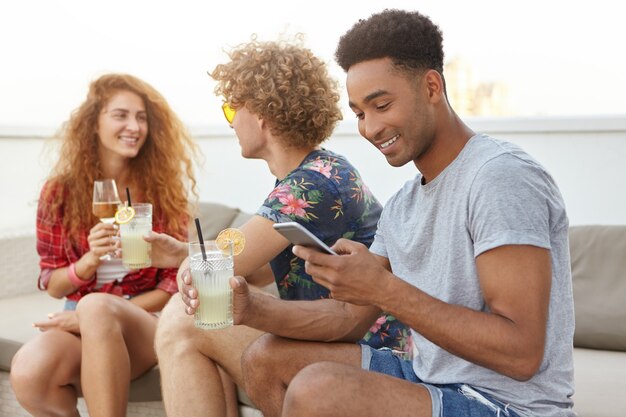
x=299, y=235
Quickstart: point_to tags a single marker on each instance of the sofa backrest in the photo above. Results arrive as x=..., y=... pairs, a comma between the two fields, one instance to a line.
x=214, y=218
x=19, y=265
x=598, y=257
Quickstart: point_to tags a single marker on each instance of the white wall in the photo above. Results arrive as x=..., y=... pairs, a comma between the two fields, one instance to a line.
x=585, y=155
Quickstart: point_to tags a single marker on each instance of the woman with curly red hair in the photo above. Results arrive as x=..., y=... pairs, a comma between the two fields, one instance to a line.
x=126, y=131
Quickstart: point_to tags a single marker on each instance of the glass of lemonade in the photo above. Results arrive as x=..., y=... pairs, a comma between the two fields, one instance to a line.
x=210, y=275
x=135, y=250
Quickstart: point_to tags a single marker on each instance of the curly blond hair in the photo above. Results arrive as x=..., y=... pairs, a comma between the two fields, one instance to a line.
x=284, y=84
x=163, y=167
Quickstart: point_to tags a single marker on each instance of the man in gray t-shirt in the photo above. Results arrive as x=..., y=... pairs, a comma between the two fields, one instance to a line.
x=491, y=195
x=472, y=254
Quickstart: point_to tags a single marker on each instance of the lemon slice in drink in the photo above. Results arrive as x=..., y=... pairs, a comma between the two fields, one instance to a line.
x=124, y=214
x=234, y=235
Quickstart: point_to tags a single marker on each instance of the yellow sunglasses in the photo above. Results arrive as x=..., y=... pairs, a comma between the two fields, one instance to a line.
x=229, y=112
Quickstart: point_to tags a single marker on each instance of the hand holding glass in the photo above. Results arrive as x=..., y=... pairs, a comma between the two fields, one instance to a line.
x=105, y=200
x=211, y=270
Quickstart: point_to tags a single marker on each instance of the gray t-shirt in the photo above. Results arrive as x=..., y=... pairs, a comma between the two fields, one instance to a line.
x=492, y=194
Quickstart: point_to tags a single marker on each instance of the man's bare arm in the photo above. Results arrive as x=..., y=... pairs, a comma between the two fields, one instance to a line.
x=318, y=320
x=508, y=338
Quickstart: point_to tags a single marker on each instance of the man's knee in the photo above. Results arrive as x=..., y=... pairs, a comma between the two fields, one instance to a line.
x=174, y=329
x=258, y=362
x=312, y=383
x=261, y=354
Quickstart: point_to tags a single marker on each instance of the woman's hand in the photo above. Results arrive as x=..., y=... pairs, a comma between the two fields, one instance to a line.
x=167, y=252
x=64, y=320
x=102, y=241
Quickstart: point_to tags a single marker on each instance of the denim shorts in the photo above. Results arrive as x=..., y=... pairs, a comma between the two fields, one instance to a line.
x=448, y=400
x=71, y=304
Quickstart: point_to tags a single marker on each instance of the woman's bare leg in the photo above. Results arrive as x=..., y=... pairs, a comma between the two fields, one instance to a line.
x=45, y=373
x=118, y=339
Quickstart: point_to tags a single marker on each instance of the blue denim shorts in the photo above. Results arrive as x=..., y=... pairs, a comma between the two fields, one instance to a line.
x=71, y=304
x=448, y=400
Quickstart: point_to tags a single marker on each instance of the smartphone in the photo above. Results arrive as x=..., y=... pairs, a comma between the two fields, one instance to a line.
x=299, y=235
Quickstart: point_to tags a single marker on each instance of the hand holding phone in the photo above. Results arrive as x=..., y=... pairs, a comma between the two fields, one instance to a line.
x=299, y=235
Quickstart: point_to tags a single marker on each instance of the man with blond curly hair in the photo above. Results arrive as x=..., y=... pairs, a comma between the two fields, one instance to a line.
x=282, y=104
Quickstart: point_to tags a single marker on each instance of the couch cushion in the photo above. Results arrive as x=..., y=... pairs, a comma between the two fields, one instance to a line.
x=16, y=317
x=8, y=348
x=598, y=377
x=243, y=397
x=598, y=256
x=20, y=265
x=214, y=218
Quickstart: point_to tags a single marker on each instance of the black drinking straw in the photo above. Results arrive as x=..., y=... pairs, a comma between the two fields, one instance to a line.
x=200, y=239
x=128, y=196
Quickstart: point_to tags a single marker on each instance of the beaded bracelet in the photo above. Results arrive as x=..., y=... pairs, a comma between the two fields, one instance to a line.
x=74, y=279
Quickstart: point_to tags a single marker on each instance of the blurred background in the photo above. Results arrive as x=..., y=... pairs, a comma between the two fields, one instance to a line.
x=503, y=58
x=546, y=74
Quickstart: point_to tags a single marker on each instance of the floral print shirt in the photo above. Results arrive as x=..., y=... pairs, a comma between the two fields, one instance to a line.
x=326, y=195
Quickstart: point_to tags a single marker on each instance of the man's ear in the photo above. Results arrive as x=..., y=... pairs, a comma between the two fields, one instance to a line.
x=434, y=84
x=261, y=122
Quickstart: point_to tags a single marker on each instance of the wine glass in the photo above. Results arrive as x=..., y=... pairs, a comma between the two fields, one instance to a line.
x=105, y=203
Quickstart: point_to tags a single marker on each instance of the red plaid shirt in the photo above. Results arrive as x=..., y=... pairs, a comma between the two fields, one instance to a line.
x=57, y=251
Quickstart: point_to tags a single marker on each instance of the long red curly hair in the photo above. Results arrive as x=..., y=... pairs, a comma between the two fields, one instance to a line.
x=163, y=165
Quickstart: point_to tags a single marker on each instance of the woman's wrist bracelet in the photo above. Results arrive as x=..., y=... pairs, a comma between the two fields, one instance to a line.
x=74, y=279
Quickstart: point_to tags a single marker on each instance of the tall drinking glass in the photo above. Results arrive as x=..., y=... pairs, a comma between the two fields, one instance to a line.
x=211, y=271
x=105, y=202
x=136, y=252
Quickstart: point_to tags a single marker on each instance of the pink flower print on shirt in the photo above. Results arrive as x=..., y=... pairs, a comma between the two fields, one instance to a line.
x=379, y=323
x=367, y=192
x=408, y=347
x=323, y=167
x=293, y=205
x=280, y=192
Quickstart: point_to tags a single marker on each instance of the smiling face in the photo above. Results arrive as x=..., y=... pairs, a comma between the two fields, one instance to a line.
x=395, y=112
x=122, y=126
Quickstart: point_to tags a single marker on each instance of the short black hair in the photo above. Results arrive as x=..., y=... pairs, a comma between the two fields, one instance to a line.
x=410, y=39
